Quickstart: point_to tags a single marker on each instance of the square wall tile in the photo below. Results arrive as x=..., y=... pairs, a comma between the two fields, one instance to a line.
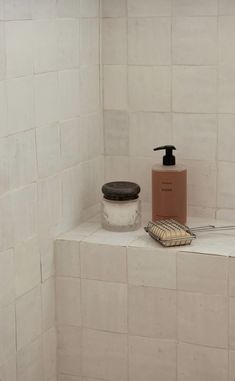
x=48, y=303
x=151, y=359
x=141, y=174
x=202, y=273
x=71, y=135
x=104, y=355
x=116, y=133
x=68, y=305
x=69, y=350
x=68, y=8
x=19, y=48
x=50, y=354
x=194, y=89
x=226, y=186
x=115, y=87
x=28, y=317
x=27, y=266
x=114, y=41
x=226, y=32
x=232, y=277
x=45, y=45
x=194, y=40
x=6, y=222
x=89, y=41
x=73, y=378
x=116, y=168
x=20, y=98
x=48, y=150
x=7, y=332
x=104, y=305
x=7, y=289
x=201, y=363
x=226, y=7
x=153, y=268
x=42, y=9
x=67, y=258
x=3, y=109
x=149, y=41
x=69, y=102
x=2, y=49
x=232, y=323
x=114, y=8
x=226, y=135
x=103, y=262
x=4, y=165
x=195, y=136
x=46, y=99
x=152, y=312
x=14, y=10
x=231, y=365
x=149, y=88
x=226, y=89
x=90, y=89
x=89, y=8
x=29, y=361
x=192, y=8
x=202, y=319
x=138, y=8
x=8, y=369
x=68, y=45
x=145, y=128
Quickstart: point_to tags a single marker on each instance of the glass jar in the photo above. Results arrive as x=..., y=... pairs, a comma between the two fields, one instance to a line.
x=121, y=206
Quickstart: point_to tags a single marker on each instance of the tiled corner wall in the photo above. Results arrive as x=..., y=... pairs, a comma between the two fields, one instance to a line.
x=169, y=77
x=138, y=312
x=51, y=164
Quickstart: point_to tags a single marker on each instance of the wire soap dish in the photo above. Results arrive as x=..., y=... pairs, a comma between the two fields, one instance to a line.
x=171, y=233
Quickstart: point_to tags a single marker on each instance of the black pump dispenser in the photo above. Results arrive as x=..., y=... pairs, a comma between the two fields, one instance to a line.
x=168, y=158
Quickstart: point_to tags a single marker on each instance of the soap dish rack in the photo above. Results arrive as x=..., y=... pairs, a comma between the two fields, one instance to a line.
x=171, y=233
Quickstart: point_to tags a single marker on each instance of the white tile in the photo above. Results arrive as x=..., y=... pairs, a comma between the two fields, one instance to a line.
x=20, y=98
x=7, y=289
x=194, y=40
x=69, y=103
x=103, y=262
x=202, y=319
x=71, y=137
x=231, y=365
x=6, y=222
x=7, y=332
x=194, y=89
x=149, y=88
x=195, y=136
x=68, y=46
x=151, y=359
x=15, y=10
x=22, y=159
x=92, y=173
x=29, y=362
x=232, y=277
x=48, y=303
x=227, y=7
x=3, y=109
x=104, y=355
x=45, y=45
x=46, y=99
x=226, y=32
x=201, y=363
x=149, y=8
x=116, y=133
x=114, y=41
x=49, y=354
x=68, y=8
x=192, y=8
x=89, y=8
x=104, y=305
x=89, y=41
x=141, y=174
x=90, y=89
x=225, y=197
x=2, y=50
x=202, y=273
x=42, y=9
x=4, y=165
x=24, y=213
x=149, y=41
x=155, y=268
x=116, y=168
x=225, y=137
x=69, y=350
x=19, y=48
x=68, y=306
x=27, y=266
x=46, y=244
x=201, y=183
x=226, y=93
x=232, y=323
x=8, y=369
x=115, y=87
x=152, y=312
x=67, y=258
x=114, y=8
x=92, y=135
x=48, y=150
x=28, y=317
x=73, y=378
x=144, y=128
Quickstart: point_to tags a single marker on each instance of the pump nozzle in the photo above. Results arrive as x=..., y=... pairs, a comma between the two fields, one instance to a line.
x=169, y=158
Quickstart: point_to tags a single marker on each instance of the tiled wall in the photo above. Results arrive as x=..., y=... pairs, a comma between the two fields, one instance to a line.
x=50, y=164
x=135, y=311
x=169, y=77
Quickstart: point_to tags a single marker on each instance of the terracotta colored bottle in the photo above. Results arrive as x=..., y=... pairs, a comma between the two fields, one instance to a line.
x=169, y=188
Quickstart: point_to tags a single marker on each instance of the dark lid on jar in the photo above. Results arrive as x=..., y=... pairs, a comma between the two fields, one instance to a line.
x=120, y=190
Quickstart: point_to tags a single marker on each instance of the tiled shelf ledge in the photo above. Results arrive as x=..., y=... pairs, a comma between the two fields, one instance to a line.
x=128, y=309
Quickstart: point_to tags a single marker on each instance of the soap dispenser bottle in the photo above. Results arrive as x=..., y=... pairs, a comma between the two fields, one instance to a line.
x=169, y=188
